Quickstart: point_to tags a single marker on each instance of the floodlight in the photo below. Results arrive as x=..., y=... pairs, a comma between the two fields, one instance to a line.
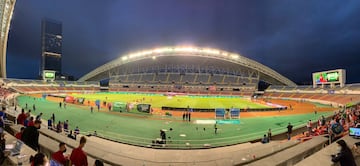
x=124, y=58
x=234, y=56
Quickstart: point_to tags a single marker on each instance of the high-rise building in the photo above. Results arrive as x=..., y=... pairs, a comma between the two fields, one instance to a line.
x=51, y=45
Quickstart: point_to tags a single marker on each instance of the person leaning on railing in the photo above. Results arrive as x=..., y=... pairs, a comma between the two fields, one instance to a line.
x=344, y=156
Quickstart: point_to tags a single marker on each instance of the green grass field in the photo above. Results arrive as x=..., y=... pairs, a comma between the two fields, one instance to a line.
x=158, y=101
x=140, y=130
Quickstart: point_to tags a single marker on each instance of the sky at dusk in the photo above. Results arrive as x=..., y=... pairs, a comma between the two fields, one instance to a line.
x=295, y=38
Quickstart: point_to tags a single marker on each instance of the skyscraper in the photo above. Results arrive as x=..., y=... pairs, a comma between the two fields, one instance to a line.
x=51, y=45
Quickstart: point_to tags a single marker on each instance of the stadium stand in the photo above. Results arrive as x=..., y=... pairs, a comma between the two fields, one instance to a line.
x=230, y=80
x=173, y=78
x=203, y=78
x=38, y=86
x=147, y=77
x=133, y=78
x=216, y=79
x=161, y=77
x=335, y=95
x=189, y=78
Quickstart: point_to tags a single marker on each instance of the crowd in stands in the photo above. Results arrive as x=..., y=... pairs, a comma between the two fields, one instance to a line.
x=4, y=92
x=29, y=134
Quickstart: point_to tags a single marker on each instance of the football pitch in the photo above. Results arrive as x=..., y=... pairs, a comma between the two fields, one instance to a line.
x=141, y=129
x=158, y=100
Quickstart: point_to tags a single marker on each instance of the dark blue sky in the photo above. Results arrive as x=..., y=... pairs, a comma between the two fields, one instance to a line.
x=295, y=38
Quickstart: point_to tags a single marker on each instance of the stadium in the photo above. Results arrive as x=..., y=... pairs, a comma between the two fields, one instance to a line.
x=183, y=105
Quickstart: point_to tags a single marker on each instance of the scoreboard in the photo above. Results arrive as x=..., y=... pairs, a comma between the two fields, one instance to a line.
x=48, y=75
x=330, y=77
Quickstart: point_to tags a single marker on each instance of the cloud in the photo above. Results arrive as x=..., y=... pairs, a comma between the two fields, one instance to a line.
x=294, y=38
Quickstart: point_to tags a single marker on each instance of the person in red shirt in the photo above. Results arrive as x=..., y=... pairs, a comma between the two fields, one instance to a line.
x=78, y=157
x=31, y=121
x=21, y=117
x=59, y=155
x=19, y=134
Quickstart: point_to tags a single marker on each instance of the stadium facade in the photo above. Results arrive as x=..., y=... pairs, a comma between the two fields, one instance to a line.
x=6, y=12
x=184, y=59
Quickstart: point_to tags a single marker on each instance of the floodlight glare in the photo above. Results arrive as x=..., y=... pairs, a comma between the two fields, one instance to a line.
x=124, y=58
x=234, y=56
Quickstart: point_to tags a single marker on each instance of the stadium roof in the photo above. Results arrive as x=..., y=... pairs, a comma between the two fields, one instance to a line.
x=6, y=11
x=190, y=51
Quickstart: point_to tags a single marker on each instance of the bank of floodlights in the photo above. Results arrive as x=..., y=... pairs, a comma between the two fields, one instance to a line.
x=194, y=50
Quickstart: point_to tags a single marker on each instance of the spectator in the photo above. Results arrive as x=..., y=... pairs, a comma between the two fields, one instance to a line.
x=70, y=135
x=2, y=148
x=264, y=139
x=59, y=127
x=78, y=156
x=2, y=118
x=323, y=120
x=19, y=134
x=289, y=128
x=39, y=160
x=59, y=155
x=77, y=131
x=345, y=156
x=28, y=114
x=98, y=163
x=26, y=122
x=53, y=118
x=269, y=134
x=21, y=117
x=163, y=136
x=30, y=135
x=50, y=125
x=66, y=126
x=38, y=117
x=31, y=122
x=2, y=141
x=308, y=125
